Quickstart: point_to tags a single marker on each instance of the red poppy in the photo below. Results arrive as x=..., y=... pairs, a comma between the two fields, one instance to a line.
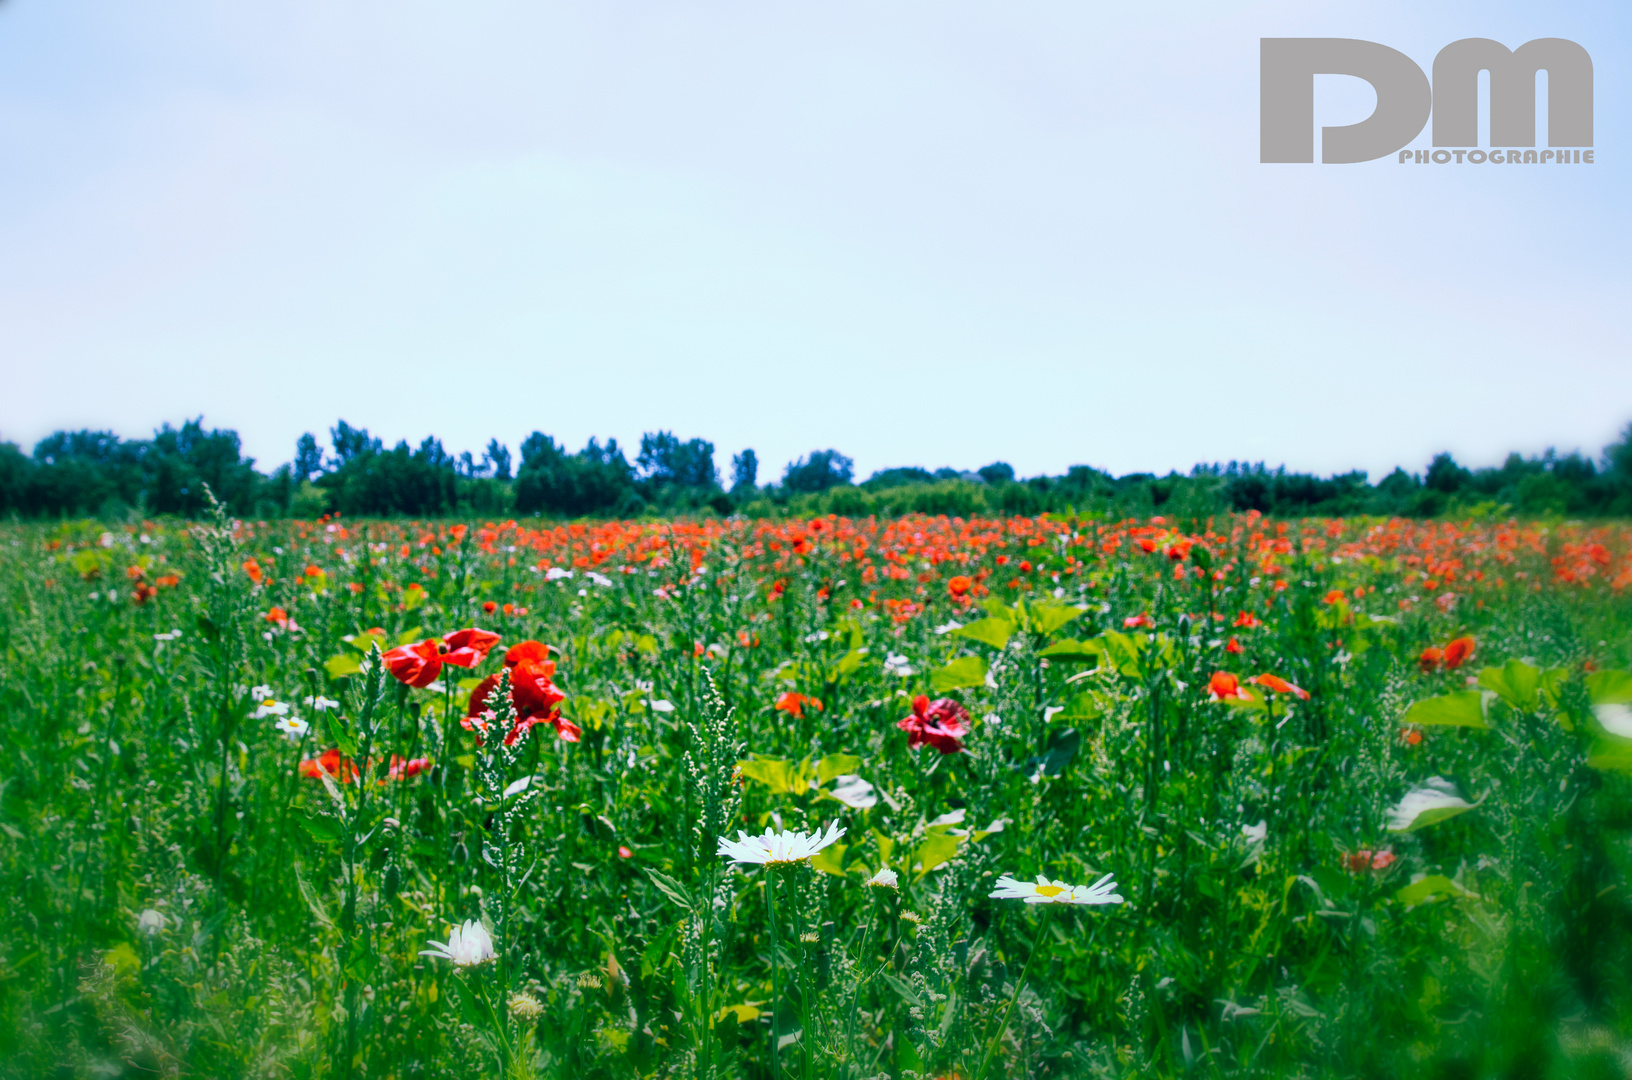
x=625, y=853
x=406, y=769
x=1280, y=686
x=1141, y=619
x=1232, y=646
x=533, y=694
x=1336, y=596
x=1430, y=658
x=1223, y=687
x=1247, y=620
x=960, y=585
x=793, y=703
x=1457, y=653
x=1366, y=859
x=419, y=664
x=939, y=723
x=1410, y=736
x=489, y=606
x=329, y=762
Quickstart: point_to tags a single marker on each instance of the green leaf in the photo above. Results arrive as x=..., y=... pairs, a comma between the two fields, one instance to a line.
x=1432, y=887
x=999, y=610
x=1612, y=753
x=782, y=777
x=1465, y=708
x=313, y=901
x=935, y=849
x=966, y=671
x=1061, y=749
x=849, y=664
x=904, y=989
x=1047, y=618
x=340, y=666
x=1071, y=651
x=1123, y=651
x=321, y=828
x=836, y=765
x=1610, y=688
x=1515, y=682
x=670, y=888
x=830, y=860
x=1081, y=707
x=993, y=631
x=363, y=642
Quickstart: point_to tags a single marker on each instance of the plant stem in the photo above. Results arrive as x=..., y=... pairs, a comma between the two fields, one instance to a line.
x=1020, y=983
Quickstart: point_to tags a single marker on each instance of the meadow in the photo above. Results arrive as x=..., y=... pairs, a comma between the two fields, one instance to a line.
x=732, y=798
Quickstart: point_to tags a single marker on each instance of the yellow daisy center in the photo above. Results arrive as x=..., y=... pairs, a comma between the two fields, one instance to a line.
x=1049, y=890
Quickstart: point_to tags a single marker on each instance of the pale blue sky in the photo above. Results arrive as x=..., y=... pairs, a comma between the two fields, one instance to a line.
x=923, y=233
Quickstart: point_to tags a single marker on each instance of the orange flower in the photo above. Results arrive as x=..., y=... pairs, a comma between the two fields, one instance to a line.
x=1280, y=686
x=1410, y=736
x=1232, y=646
x=277, y=615
x=1430, y=658
x=1336, y=596
x=329, y=762
x=1458, y=652
x=253, y=569
x=1247, y=620
x=314, y=571
x=489, y=606
x=793, y=703
x=1223, y=687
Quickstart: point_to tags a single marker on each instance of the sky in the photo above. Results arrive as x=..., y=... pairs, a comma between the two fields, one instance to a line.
x=927, y=232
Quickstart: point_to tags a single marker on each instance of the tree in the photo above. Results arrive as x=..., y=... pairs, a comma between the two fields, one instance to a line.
x=822, y=470
x=497, y=458
x=665, y=460
x=744, y=472
x=308, y=458
x=998, y=472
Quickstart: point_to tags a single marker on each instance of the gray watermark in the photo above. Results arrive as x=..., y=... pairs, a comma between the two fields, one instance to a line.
x=1405, y=99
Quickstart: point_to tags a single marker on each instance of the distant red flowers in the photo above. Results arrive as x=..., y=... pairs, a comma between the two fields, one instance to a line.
x=1455, y=653
x=794, y=704
x=533, y=694
x=1364, y=859
x=1280, y=686
x=939, y=723
x=418, y=665
x=1224, y=687
x=330, y=761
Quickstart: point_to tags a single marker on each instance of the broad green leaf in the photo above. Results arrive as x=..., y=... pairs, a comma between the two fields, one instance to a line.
x=933, y=851
x=836, y=765
x=313, y=901
x=670, y=888
x=1071, y=651
x=779, y=775
x=1465, y=708
x=1610, y=687
x=993, y=631
x=363, y=642
x=966, y=671
x=123, y=960
x=340, y=666
x=321, y=827
x=410, y=635
x=849, y=664
x=1515, y=682
x=904, y=989
x=886, y=846
x=1047, y=618
x=1431, y=887
x=1611, y=752
x=1081, y=707
x=830, y=860
x=414, y=598
x=745, y=1014
x=1123, y=651
x=1425, y=805
x=1061, y=749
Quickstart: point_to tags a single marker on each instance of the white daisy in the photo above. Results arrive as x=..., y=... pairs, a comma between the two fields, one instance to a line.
x=1045, y=891
x=775, y=848
x=260, y=693
x=467, y=945
x=150, y=922
x=270, y=708
x=322, y=704
x=884, y=879
x=1615, y=719
x=896, y=664
x=292, y=728
x=1255, y=834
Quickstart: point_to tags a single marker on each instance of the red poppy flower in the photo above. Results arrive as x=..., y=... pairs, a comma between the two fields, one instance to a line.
x=1224, y=687
x=1366, y=859
x=625, y=853
x=1457, y=653
x=329, y=762
x=419, y=664
x=533, y=694
x=1410, y=736
x=793, y=703
x=1141, y=619
x=1232, y=646
x=489, y=606
x=939, y=723
x=959, y=584
x=1247, y=620
x=406, y=769
x=1430, y=658
x=1336, y=596
x=1280, y=686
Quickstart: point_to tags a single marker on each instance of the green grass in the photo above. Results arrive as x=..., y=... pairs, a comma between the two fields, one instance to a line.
x=185, y=901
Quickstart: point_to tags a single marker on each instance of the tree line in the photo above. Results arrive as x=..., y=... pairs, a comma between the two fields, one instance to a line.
x=97, y=473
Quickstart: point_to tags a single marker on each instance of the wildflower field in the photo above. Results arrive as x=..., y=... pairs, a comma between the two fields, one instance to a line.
x=920, y=797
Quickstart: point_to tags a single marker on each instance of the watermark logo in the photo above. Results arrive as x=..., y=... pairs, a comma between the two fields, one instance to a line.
x=1405, y=99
